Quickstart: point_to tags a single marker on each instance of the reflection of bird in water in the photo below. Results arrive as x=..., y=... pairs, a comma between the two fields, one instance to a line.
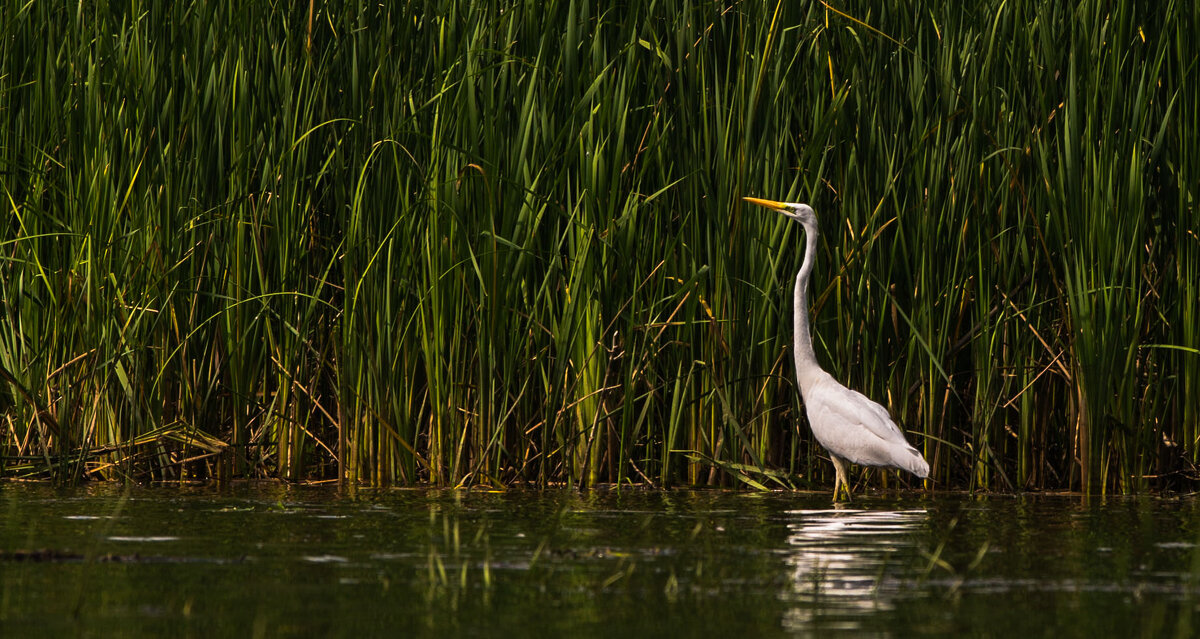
x=850, y=426
x=845, y=563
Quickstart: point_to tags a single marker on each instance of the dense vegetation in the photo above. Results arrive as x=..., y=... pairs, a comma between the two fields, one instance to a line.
x=503, y=242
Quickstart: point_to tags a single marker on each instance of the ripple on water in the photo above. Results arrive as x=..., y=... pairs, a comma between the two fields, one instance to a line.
x=837, y=559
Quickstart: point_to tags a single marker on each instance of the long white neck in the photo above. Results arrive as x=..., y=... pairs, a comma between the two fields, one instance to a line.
x=806, y=359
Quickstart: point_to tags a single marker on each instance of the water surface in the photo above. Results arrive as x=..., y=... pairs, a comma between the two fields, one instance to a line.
x=273, y=560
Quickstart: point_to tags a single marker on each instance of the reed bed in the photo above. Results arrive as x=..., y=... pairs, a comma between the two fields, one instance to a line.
x=503, y=243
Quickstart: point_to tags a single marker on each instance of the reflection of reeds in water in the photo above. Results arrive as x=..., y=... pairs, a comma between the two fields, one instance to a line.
x=841, y=561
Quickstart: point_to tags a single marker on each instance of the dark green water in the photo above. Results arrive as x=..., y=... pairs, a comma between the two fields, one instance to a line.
x=279, y=561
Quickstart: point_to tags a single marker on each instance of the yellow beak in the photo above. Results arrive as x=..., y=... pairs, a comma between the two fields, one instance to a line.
x=771, y=204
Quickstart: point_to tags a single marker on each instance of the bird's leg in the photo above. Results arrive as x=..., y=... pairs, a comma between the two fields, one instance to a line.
x=839, y=465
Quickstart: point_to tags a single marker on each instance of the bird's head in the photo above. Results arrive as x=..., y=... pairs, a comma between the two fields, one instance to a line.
x=798, y=211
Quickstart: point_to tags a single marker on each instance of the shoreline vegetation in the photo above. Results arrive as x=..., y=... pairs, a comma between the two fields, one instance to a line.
x=502, y=243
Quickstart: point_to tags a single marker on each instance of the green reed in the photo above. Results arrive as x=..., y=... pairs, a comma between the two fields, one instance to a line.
x=458, y=243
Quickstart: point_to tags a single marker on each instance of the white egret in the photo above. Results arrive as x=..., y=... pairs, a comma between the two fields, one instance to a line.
x=851, y=427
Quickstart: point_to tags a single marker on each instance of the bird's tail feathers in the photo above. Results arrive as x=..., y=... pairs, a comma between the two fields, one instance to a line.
x=912, y=461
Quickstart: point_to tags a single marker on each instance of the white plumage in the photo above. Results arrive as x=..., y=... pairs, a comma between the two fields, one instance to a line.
x=849, y=425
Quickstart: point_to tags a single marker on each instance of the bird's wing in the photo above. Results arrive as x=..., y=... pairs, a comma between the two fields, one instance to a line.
x=857, y=429
x=853, y=408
